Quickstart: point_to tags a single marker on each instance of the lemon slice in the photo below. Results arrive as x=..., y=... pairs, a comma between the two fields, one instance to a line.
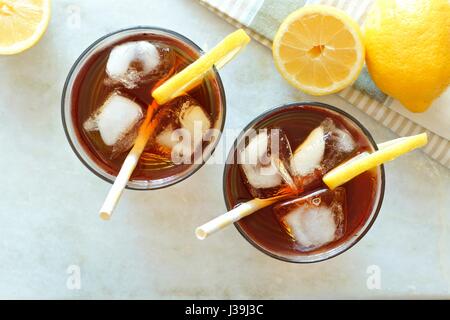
x=22, y=24
x=191, y=76
x=319, y=49
x=365, y=161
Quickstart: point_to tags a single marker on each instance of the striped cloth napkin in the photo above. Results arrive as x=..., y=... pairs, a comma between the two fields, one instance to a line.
x=261, y=19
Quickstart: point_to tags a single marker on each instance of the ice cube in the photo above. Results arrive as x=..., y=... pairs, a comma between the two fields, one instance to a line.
x=314, y=220
x=324, y=148
x=260, y=172
x=136, y=62
x=117, y=122
x=309, y=155
x=195, y=120
x=164, y=138
x=263, y=162
x=182, y=125
x=339, y=145
x=167, y=118
x=194, y=125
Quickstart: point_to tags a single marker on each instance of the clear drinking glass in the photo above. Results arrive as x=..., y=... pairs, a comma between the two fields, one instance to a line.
x=216, y=94
x=261, y=228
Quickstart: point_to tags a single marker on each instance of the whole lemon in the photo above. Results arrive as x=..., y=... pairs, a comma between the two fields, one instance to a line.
x=408, y=49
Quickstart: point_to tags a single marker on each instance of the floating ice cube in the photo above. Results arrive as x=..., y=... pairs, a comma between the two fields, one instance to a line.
x=264, y=164
x=164, y=138
x=314, y=220
x=195, y=123
x=309, y=154
x=183, y=118
x=134, y=62
x=339, y=145
x=195, y=120
x=259, y=169
x=116, y=120
x=324, y=148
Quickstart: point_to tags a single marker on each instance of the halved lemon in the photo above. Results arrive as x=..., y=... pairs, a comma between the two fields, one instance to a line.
x=319, y=49
x=365, y=161
x=191, y=76
x=22, y=24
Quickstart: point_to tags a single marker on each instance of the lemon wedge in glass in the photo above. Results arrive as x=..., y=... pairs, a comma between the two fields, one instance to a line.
x=191, y=76
x=365, y=161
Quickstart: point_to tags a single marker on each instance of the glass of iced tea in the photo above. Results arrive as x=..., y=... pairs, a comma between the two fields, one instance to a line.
x=106, y=96
x=310, y=223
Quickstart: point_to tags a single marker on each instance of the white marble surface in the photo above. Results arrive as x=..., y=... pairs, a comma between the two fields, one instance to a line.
x=49, y=200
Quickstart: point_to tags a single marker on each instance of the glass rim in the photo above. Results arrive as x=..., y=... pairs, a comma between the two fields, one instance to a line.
x=71, y=76
x=343, y=247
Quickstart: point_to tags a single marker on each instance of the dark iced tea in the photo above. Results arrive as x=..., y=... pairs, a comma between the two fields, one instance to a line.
x=113, y=82
x=313, y=223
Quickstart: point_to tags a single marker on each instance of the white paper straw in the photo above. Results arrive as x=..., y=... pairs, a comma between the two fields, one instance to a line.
x=234, y=215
